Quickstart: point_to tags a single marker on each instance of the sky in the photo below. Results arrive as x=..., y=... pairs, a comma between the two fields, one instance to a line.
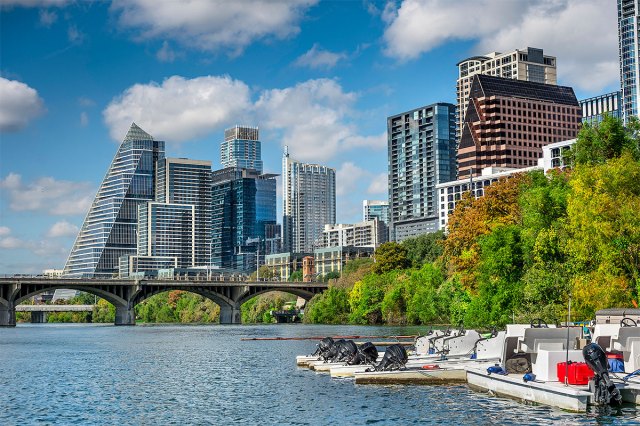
x=318, y=76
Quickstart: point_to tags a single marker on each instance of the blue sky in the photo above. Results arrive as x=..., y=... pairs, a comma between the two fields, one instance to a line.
x=320, y=77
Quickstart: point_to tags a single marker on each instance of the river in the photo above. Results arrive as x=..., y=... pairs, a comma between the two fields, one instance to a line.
x=180, y=374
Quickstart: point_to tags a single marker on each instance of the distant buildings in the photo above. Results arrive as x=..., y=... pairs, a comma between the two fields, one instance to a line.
x=529, y=64
x=421, y=154
x=309, y=202
x=593, y=109
x=508, y=122
x=188, y=182
x=109, y=229
x=363, y=234
x=241, y=148
x=377, y=209
x=628, y=46
x=244, y=206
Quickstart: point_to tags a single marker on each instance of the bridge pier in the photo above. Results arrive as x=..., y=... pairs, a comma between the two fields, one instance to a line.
x=125, y=315
x=7, y=315
x=230, y=314
x=38, y=317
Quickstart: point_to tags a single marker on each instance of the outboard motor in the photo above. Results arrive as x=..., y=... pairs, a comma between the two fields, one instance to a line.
x=605, y=391
x=367, y=354
x=323, y=347
x=347, y=351
x=334, y=350
x=395, y=357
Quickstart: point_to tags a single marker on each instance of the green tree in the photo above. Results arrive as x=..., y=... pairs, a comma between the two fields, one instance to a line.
x=296, y=276
x=329, y=307
x=605, y=140
x=390, y=256
x=425, y=248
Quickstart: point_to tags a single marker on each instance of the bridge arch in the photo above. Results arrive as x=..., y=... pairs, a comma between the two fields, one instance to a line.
x=253, y=292
x=108, y=296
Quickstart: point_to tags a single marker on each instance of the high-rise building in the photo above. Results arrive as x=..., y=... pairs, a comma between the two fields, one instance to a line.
x=243, y=213
x=109, y=229
x=422, y=154
x=374, y=209
x=309, y=202
x=167, y=230
x=593, y=109
x=628, y=46
x=184, y=181
x=241, y=148
x=529, y=64
x=508, y=122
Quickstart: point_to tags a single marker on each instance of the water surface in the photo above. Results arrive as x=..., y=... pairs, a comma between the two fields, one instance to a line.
x=157, y=375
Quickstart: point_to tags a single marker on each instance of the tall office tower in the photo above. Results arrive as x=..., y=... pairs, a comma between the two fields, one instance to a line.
x=241, y=148
x=422, y=154
x=184, y=181
x=372, y=209
x=529, y=64
x=308, y=203
x=168, y=230
x=244, y=209
x=628, y=46
x=593, y=109
x=509, y=121
x=109, y=229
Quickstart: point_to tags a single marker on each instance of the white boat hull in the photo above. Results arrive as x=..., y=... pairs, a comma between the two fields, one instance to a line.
x=554, y=394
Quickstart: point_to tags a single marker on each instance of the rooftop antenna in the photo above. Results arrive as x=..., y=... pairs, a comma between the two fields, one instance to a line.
x=286, y=150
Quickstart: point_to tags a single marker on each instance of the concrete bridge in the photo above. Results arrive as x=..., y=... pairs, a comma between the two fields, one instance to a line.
x=125, y=294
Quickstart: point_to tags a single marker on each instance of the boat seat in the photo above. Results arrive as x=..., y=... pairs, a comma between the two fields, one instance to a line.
x=550, y=339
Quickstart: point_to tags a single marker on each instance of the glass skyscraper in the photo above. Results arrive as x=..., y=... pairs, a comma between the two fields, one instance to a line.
x=185, y=181
x=309, y=203
x=241, y=148
x=167, y=230
x=593, y=109
x=628, y=45
x=422, y=154
x=109, y=229
x=373, y=209
x=243, y=208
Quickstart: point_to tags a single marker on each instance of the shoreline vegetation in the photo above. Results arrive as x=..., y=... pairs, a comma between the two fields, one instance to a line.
x=515, y=254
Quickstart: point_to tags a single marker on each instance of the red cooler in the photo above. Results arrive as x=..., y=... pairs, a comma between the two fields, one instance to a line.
x=579, y=373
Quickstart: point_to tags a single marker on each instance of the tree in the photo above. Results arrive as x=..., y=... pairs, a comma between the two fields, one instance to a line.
x=296, y=276
x=425, y=248
x=330, y=307
x=333, y=275
x=390, y=256
x=606, y=140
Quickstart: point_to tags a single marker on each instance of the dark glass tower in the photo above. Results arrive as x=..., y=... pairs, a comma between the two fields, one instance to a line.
x=243, y=206
x=109, y=229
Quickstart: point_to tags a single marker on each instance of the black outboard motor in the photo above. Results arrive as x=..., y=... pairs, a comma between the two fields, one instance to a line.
x=395, y=357
x=367, y=354
x=347, y=351
x=323, y=347
x=333, y=352
x=605, y=391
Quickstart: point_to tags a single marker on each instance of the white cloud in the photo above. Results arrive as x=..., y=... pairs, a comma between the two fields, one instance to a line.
x=62, y=229
x=316, y=57
x=84, y=119
x=20, y=104
x=12, y=243
x=379, y=184
x=56, y=197
x=582, y=34
x=373, y=142
x=4, y=231
x=179, y=109
x=166, y=53
x=347, y=178
x=212, y=25
x=313, y=117
x=86, y=102
x=47, y=18
x=74, y=35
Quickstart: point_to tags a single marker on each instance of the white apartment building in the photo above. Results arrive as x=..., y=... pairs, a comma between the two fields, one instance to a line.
x=363, y=234
x=528, y=64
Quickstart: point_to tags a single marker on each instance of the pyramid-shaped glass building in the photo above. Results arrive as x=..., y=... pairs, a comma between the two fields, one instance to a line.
x=109, y=229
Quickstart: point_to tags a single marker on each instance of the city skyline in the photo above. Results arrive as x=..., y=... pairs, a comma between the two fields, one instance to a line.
x=76, y=74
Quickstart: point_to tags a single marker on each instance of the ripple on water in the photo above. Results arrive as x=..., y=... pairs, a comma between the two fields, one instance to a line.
x=61, y=374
